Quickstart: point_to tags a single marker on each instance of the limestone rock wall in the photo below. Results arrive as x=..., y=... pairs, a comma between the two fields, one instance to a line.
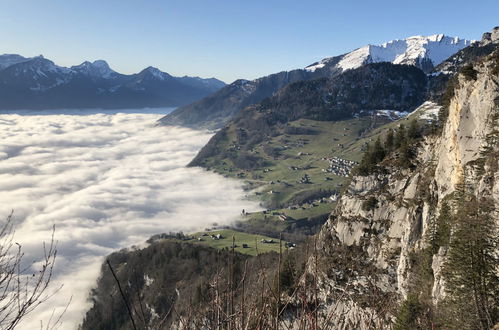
x=382, y=240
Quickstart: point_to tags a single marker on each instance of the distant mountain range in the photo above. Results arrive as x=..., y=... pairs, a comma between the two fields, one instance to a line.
x=38, y=83
x=214, y=111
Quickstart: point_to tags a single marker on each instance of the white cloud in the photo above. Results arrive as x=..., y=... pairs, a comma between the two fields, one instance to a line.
x=107, y=181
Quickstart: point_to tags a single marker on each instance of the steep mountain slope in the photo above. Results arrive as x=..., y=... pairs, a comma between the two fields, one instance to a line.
x=422, y=52
x=216, y=110
x=175, y=284
x=38, y=83
x=371, y=87
x=7, y=60
x=478, y=49
x=394, y=232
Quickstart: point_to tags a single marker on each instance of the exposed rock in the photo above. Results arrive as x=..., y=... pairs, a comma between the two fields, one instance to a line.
x=384, y=239
x=438, y=290
x=491, y=37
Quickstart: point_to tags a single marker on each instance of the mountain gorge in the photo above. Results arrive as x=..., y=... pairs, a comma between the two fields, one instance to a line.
x=38, y=83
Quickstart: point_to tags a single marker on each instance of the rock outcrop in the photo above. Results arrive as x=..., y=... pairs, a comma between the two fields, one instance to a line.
x=491, y=37
x=369, y=252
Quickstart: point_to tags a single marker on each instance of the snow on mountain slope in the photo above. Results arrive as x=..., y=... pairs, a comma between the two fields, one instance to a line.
x=38, y=83
x=36, y=73
x=7, y=60
x=97, y=68
x=427, y=111
x=156, y=73
x=423, y=52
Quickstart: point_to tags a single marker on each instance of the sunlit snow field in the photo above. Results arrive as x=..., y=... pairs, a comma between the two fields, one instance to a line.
x=107, y=181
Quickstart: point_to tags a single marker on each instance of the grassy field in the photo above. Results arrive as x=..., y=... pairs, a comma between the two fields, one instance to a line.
x=279, y=185
x=290, y=202
x=255, y=246
x=280, y=182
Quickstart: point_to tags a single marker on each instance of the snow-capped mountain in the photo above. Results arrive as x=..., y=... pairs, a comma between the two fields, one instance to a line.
x=214, y=111
x=7, y=60
x=154, y=74
x=38, y=83
x=423, y=52
x=36, y=74
x=97, y=69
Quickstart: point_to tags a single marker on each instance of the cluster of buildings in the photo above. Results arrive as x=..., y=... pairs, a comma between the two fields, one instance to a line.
x=339, y=166
x=305, y=179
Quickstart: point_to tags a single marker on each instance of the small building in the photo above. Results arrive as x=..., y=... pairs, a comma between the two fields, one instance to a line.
x=267, y=241
x=283, y=217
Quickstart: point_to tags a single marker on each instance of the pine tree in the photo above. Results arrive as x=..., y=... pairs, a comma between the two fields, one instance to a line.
x=390, y=140
x=287, y=275
x=405, y=155
x=409, y=313
x=378, y=153
x=372, y=157
x=444, y=225
x=400, y=138
x=366, y=164
x=438, y=233
x=413, y=130
x=472, y=283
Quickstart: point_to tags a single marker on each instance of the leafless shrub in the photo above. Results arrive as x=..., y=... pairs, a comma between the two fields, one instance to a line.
x=23, y=289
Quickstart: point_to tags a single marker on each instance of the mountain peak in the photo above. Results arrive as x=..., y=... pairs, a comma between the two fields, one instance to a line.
x=156, y=73
x=98, y=68
x=101, y=63
x=40, y=64
x=7, y=60
x=424, y=52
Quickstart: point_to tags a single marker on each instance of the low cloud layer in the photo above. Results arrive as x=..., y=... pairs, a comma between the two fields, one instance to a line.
x=107, y=181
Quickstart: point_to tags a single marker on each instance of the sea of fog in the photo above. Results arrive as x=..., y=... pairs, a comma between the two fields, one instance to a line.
x=106, y=180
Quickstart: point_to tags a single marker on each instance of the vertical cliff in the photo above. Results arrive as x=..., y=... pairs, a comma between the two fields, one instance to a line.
x=375, y=243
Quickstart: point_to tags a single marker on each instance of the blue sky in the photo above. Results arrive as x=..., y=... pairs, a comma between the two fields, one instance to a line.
x=227, y=39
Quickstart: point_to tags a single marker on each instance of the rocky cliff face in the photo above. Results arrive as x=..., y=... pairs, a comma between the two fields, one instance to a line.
x=491, y=37
x=370, y=251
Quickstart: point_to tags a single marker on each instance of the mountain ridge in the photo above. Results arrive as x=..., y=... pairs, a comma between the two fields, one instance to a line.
x=374, y=86
x=38, y=83
x=216, y=110
x=425, y=52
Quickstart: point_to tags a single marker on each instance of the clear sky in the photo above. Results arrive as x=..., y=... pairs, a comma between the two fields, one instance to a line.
x=227, y=39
